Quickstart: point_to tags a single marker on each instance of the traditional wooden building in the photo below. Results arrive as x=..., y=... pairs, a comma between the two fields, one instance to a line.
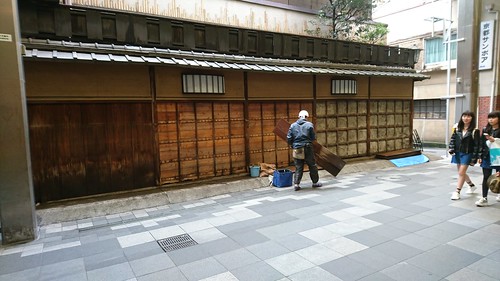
x=120, y=101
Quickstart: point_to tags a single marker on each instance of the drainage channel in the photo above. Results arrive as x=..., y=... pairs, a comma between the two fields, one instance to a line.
x=176, y=242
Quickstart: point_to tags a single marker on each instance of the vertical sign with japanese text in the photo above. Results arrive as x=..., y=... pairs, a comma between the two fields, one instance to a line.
x=487, y=35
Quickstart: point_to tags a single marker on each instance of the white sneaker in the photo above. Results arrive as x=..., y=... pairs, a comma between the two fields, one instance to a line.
x=455, y=195
x=498, y=197
x=483, y=202
x=471, y=189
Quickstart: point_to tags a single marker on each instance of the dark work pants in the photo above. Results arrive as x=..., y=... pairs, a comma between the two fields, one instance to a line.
x=309, y=160
x=486, y=174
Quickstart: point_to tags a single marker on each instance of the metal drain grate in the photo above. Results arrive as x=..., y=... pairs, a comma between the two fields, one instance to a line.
x=176, y=242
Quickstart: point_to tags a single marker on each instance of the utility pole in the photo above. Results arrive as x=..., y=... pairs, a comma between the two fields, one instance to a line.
x=17, y=207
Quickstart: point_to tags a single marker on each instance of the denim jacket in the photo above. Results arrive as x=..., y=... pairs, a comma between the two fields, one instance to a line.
x=301, y=133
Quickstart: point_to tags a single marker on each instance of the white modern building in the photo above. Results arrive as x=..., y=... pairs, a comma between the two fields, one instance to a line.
x=466, y=78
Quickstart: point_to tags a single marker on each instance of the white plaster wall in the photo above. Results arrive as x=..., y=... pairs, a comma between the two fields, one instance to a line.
x=224, y=12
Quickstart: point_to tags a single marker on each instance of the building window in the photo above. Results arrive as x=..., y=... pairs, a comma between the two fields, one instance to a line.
x=252, y=42
x=310, y=48
x=295, y=46
x=177, y=34
x=78, y=24
x=430, y=109
x=202, y=84
x=108, y=27
x=344, y=87
x=435, y=49
x=269, y=44
x=153, y=31
x=199, y=36
x=234, y=39
x=46, y=23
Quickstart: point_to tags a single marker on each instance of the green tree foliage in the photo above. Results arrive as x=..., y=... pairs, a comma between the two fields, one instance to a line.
x=349, y=20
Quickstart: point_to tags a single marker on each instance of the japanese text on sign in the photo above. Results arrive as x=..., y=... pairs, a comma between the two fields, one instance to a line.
x=486, y=44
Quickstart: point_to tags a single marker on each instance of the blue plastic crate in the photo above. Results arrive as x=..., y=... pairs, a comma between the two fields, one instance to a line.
x=282, y=178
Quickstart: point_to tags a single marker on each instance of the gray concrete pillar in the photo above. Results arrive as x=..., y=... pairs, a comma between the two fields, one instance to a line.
x=17, y=209
x=467, y=56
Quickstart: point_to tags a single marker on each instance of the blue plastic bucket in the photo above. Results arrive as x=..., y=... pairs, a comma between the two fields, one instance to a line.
x=254, y=171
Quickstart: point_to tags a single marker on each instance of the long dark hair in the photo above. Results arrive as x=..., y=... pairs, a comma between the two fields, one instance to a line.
x=493, y=114
x=472, y=125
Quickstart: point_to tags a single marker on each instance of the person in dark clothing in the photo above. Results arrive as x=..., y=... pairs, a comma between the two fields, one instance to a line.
x=489, y=134
x=464, y=146
x=300, y=136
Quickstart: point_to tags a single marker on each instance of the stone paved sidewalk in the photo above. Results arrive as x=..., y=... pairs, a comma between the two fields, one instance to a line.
x=386, y=224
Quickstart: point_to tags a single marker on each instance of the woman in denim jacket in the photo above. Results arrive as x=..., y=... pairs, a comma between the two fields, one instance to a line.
x=464, y=148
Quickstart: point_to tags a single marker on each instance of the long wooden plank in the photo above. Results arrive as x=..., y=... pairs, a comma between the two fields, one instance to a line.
x=324, y=157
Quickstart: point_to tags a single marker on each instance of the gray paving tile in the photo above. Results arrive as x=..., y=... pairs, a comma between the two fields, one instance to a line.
x=143, y=250
x=294, y=242
x=408, y=272
x=348, y=269
x=446, y=212
x=432, y=261
x=265, y=272
x=121, y=271
x=97, y=247
x=284, y=229
x=151, y=264
x=248, y=238
x=418, y=241
x=403, y=200
x=495, y=256
x=167, y=274
x=319, y=219
x=31, y=274
x=467, y=274
x=377, y=276
x=407, y=225
x=61, y=255
x=236, y=258
x=310, y=211
x=368, y=238
x=487, y=267
x=290, y=263
x=425, y=219
x=388, y=231
x=220, y=246
x=314, y=274
x=373, y=258
x=397, y=250
x=281, y=206
x=105, y=259
x=268, y=249
x=383, y=217
x=444, y=232
x=189, y=254
x=66, y=270
x=202, y=269
x=14, y=262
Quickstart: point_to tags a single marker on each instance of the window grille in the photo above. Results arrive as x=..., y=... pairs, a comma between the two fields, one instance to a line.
x=202, y=84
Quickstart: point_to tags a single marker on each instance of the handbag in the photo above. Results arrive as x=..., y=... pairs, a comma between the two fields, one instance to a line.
x=298, y=153
x=494, y=152
x=494, y=183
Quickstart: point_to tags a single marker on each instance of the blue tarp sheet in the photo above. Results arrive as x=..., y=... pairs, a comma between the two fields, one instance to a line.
x=411, y=160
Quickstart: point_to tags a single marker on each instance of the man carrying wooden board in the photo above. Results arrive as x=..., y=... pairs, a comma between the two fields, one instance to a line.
x=300, y=136
x=324, y=157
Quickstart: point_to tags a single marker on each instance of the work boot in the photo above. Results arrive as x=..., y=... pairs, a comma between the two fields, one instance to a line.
x=317, y=184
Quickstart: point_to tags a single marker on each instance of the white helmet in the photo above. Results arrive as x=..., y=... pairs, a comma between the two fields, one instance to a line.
x=303, y=114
